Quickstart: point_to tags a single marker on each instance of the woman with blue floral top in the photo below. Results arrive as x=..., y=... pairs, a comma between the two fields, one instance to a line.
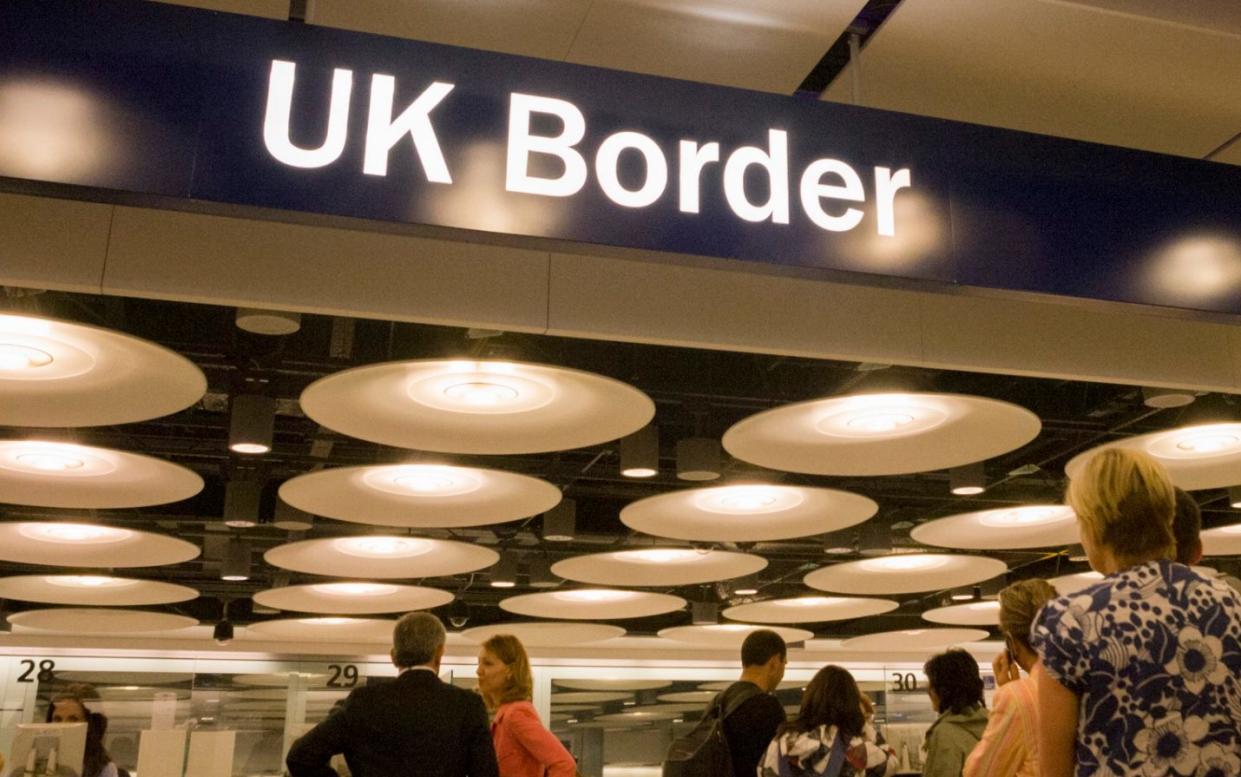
x=1141, y=672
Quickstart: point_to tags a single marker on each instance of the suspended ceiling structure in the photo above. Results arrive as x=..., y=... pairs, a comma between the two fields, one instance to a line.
x=805, y=459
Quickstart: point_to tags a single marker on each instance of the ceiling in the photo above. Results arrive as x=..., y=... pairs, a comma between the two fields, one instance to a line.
x=696, y=393
x=1144, y=74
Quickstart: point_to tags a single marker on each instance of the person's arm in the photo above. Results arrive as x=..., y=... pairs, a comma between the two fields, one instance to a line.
x=529, y=732
x=1057, y=730
x=1002, y=749
x=870, y=759
x=310, y=756
x=480, y=752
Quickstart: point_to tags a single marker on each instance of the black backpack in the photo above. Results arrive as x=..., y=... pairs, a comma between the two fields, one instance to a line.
x=704, y=752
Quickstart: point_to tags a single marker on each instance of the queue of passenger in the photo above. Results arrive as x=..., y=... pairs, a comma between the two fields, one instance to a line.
x=1137, y=674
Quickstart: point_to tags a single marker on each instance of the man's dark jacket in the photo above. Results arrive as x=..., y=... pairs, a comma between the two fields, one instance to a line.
x=413, y=725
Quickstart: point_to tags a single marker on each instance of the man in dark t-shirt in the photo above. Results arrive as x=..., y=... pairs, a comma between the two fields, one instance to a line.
x=751, y=727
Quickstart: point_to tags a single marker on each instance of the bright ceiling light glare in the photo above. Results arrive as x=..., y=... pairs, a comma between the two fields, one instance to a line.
x=251, y=425
x=504, y=573
x=73, y=533
x=1208, y=443
x=593, y=595
x=38, y=457
x=481, y=388
x=430, y=480
x=879, y=416
x=1030, y=515
x=1195, y=268
x=809, y=601
x=355, y=589
x=967, y=480
x=383, y=547
x=748, y=500
x=912, y=562
x=328, y=622
x=87, y=581
x=17, y=358
x=1197, y=442
x=659, y=555
x=49, y=462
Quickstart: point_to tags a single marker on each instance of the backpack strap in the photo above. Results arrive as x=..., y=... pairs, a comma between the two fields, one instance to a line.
x=734, y=703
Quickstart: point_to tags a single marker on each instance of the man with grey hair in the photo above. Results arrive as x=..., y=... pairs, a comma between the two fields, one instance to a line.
x=413, y=725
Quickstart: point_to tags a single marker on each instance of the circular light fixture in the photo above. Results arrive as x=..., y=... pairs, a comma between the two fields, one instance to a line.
x=1222, y=541
x=550, y=634
x=657, y=567
x=611, y=684
x=352, y=598
x=1196, y=457
x=1070, y=584
x=986, y=613
x=728, y=635
x=881, y=434
x=57, y=474
x=592, y=604
x=747, y=513
x=904, y=573
x=92, y=590
x=914, y=639
x=61, y=374
x=85, y=545
x=100, y=620
x=367, y=630
x=354, y=589
x=810, y=609
x=419, y=495
x=463, y=406
x=381, y=557
x=1005, y=528
x=73, y=533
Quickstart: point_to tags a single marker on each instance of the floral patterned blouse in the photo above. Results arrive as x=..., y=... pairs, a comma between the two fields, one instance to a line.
x=1154, y=654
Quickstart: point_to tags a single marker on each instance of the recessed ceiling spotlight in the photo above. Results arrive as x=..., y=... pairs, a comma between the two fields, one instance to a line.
x=504, y=573
x=746, y=586
x=639, y=453
x=251, y=426
x=236, y=564
x=540, y=574
x=967, y=480
x=241, y=503
x=88, y=581
x=1165, y=397
x=698, y=459
x=289, y=518
x=1234, y=497
x=560, y=522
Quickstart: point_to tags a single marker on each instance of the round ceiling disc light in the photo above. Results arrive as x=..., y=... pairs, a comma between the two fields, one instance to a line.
x=89, y=545
x=1196, y=457
x=810, y=609
x=62, y=374
x=747, y=513
x=329, y=629
x=914, y=639
x=590, y=697
x=728, y=636
x=723, y=685
x=592, y=604
x=352, y=598
x=99, y=620
x=984, y=613
x=420, y=495
x=549, y=634
x=658, y=566
x=92, y=590
x=904, y=573
x=57, y=474
x=382, y=557
x=462, y=406
x=881, y=434
x=688, y=697
x=1222, y=541
x=1005, y=528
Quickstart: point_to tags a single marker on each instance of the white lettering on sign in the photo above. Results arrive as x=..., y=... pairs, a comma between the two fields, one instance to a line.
x=830, y=190
x=276, y=124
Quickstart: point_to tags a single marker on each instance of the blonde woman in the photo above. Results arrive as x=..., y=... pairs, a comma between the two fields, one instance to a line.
x=1009, y=746
x=1141, y=672
x=524, y=748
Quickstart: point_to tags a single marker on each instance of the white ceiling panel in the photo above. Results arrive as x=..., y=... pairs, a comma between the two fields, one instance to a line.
x=769, y=45
x=534, y=28
x=1161, y=82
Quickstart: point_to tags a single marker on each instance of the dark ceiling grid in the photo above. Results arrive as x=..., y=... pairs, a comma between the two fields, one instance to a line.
x=693, y=390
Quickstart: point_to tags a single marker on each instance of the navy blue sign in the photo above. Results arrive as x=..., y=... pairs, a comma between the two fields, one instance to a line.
x=169, y=102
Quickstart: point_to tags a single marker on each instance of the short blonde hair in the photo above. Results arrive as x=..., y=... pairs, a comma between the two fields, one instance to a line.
x=509, y=650
x=1125, y=499
x=1019, y=603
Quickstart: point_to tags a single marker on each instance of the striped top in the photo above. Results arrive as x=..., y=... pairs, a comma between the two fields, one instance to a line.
x=1009, y=746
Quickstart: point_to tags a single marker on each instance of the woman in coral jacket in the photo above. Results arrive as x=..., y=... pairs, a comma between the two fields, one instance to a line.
x=524, y=748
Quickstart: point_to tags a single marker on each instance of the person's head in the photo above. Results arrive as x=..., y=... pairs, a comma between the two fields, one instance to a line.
x=763, y=657
x=953, y=681
x=69, y=706
x=504, y=671
x=418, y=640
x=831, y=699
x=1019, y=604
x=1186, y=526
x=1124, y=503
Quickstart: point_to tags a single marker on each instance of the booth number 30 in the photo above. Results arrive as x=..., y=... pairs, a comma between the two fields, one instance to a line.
x=904, y=682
